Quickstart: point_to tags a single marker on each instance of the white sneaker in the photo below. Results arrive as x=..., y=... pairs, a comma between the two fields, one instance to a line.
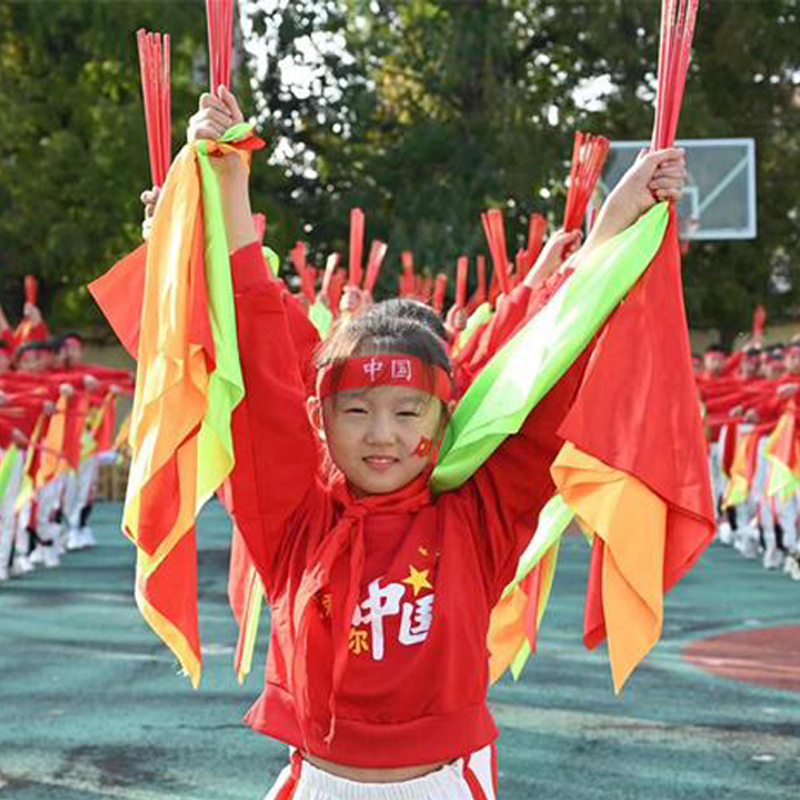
x=37, y=556
x=21, y=565
x=747, y=541
x=773, y=558
x=74, y=539
x=725, y=533
x=87, y=537
x=3, y=574
x=51, y=558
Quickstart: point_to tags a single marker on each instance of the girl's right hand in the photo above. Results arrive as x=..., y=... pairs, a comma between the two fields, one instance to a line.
x=149, y=200
x=216, y=113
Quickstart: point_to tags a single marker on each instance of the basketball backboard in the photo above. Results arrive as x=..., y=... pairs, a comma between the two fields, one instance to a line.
x=719, y=201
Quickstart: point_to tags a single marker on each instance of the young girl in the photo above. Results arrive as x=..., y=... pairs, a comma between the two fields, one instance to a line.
x=380, y=593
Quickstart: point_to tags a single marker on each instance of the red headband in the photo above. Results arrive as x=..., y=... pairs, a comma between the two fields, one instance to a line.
x=384, y=370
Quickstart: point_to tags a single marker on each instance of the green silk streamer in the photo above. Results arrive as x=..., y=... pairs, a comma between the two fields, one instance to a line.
x=321, y=318
x=272, y=259
x=783, y=483
x=482, y=314
x=9, y=460
x=226, y=384
x=531, y=363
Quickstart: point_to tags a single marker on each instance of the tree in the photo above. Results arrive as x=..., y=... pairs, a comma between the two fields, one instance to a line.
x=73, y=154
x=443, y=108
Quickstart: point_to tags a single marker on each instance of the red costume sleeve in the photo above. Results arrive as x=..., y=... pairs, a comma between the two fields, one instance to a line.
x=276, y=452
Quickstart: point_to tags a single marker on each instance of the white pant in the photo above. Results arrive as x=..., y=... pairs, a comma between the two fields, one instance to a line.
x=78, y=490
x=469, y=778
x=47, y=502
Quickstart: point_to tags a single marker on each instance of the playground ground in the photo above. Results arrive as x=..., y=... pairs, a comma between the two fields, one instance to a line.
x=92, y=707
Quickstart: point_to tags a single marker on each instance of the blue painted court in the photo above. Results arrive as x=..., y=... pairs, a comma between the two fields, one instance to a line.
x=91, y=705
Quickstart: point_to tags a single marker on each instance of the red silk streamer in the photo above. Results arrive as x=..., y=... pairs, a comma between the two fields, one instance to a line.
x=678, y=18
x=356, y=246
x=496, y=237
x=331, y=264
x=219, y=17
x=31, y=289
x=260, y=222
x=439, y=292
x=407, y=281
x=376, y=255
x=155, y=75
x=759, y=321
x=589, y=155
x=462, y=274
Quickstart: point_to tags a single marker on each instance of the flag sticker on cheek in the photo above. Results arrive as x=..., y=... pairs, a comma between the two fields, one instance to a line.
x=424, y=447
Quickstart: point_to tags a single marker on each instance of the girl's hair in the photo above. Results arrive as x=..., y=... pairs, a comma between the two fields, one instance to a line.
x=380, y=331
x=414, y=310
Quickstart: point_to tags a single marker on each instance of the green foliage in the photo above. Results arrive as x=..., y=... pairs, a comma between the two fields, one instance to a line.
x=446, y=108
x=73, y=153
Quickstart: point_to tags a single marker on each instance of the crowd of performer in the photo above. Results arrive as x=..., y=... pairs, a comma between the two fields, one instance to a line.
x=57, y=421
x=749, y=399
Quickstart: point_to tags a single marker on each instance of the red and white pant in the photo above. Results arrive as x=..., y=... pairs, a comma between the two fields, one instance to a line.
x=473, y=777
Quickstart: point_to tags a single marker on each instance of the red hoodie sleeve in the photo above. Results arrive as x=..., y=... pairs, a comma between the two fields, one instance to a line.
x=276, y=452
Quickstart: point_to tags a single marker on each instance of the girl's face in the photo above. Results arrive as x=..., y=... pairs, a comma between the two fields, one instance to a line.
x=374, y=435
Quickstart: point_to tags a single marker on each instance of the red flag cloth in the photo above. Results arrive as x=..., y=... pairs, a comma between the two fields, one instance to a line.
x=650, y=426
x=120, y=292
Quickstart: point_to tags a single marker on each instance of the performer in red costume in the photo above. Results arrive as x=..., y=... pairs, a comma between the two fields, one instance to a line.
x=377, y=671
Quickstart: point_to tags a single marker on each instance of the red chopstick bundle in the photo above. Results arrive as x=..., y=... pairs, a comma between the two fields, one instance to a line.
x=759, y=321
x=356, y=246
x=219, y=17
x=338, y=280
x=155, y=75
x=331, y=264
x=481, y=291
x=407, y=280
x=376, y=255
x=462, y=275
x=678, y=19
x=424, y=288
x=31, y=289
x=496, y=236
x=589, y=155
x=439, y=292
x=537, y=226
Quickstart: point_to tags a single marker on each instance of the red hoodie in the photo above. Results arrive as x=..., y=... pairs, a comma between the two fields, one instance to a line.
x=379, y=607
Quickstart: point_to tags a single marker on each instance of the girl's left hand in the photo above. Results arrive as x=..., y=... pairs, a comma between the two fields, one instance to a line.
x=656, y=176
x=560, y=246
